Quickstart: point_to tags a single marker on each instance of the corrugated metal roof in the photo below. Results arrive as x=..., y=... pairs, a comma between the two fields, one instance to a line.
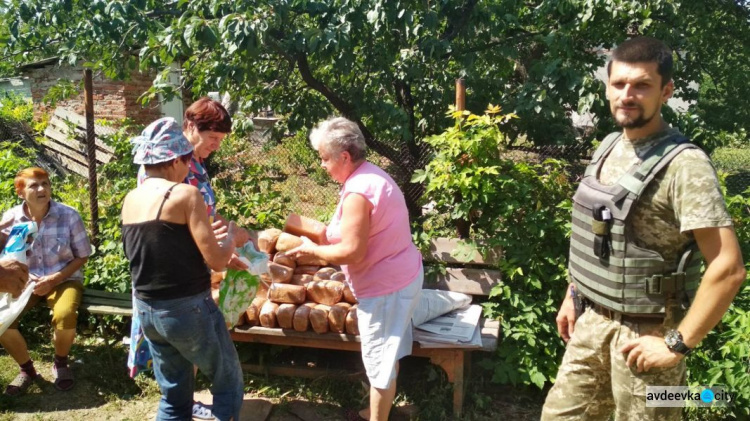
x=40, y=63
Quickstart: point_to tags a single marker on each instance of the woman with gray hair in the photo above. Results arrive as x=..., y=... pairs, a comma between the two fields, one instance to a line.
x=369, y=237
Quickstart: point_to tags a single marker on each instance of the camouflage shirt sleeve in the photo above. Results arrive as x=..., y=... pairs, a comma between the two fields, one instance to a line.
x=695, y=193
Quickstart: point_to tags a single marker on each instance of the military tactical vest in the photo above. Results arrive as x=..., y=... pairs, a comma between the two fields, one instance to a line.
x=606, y=265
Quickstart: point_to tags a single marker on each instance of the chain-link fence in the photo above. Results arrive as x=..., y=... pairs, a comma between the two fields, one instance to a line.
x=297, y=168
x=10, y=131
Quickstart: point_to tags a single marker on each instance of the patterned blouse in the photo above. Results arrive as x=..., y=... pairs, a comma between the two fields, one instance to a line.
x=61, y=238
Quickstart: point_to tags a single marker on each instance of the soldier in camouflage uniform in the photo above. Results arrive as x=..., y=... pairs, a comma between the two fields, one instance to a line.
x=612, y=356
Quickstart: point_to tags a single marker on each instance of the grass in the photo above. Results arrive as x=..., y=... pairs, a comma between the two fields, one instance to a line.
x=104, y=390
x=102, y=384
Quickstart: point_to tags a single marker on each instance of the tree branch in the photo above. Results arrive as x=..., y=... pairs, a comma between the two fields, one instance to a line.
x=454, y=27
x=346, y=109
x=405, y=100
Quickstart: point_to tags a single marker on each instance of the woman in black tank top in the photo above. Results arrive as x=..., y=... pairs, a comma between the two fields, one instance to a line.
x=171, y=245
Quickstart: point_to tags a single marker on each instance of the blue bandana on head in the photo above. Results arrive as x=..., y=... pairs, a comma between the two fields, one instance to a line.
x=161, y=141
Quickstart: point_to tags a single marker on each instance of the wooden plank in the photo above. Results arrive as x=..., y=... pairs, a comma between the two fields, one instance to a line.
x=100, y=301
x=290, y=341
x=304, y=372
x=68, y=163
x=490, y=330
x=70, y=149
x=102, y=309
x=58, y=142
x=88, y=292
x=74, y=141
x=442, y=250
x=286, y=337
x=70, y=126
x=468, y=281
x=80, y=121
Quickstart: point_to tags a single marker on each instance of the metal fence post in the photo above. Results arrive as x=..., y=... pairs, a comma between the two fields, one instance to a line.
x=88, y=93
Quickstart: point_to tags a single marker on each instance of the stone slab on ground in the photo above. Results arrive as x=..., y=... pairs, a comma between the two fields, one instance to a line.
x=253, y=408
x=313, y=411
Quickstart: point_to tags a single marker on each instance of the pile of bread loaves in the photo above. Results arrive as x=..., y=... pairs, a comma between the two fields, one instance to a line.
x=301, y=294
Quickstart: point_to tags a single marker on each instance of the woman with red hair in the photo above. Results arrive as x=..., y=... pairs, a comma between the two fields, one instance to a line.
x=60, y=249
x=205, y=125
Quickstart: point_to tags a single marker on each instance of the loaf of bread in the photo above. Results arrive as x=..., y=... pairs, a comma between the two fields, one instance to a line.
x=283, y=259
x=285, y=315
x=325, y=292
x=303, y=226
x=349, y=295
x=319, y=318
x=324, y=274
x=265, y=278
x=287, y=293
x=242, y=320
x=262, y=290
x=287, y=242
x=306, y=269
x=268, y=314
x=216, y=278
x=338, y=276
x=337, y=317
x=280, y=273
x=267, y=240
x=252, y=314
x=311, y=261
x=301, y=279
x=301, y=320
x=352, y=327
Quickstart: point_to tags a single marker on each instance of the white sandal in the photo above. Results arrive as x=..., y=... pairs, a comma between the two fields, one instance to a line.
x=201, y=411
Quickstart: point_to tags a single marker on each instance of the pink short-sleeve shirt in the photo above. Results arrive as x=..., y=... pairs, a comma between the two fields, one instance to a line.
x=392, y=260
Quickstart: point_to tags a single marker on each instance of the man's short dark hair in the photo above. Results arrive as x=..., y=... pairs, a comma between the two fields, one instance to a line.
x=645, y=50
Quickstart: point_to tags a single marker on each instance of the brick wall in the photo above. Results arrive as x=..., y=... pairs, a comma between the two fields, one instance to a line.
x=113, y=100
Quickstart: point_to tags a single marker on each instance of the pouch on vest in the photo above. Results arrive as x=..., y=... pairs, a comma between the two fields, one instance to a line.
x=602, y=217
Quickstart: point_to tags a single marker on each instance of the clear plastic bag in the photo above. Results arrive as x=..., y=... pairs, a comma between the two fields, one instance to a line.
x=239, y=287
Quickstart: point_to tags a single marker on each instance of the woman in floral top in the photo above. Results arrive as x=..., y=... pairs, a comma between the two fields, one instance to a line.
x=205, y=124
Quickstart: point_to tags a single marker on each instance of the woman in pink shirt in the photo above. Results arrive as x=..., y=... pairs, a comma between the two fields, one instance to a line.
x=369, y=237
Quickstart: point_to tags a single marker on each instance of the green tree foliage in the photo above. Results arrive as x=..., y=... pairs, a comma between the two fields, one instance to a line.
x=522, y=209
x=390, y=64
x=723, y=357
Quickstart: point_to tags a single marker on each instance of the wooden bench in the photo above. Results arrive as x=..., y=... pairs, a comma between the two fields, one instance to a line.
x=467, y=275
x=106, y=302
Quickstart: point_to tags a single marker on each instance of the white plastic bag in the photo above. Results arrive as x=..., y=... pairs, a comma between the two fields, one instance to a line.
x=434, y=303
x=19, y=243
x=11, y=308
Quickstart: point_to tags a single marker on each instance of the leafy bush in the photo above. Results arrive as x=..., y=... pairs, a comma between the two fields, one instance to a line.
x=723, y=357
x=16, y=108
x=13, y=158
x=522, y=208
x=244, y=186
x=732, y=159
x=108, y=268
x=525, y=209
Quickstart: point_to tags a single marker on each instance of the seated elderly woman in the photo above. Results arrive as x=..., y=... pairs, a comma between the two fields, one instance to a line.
x=59, y=251
x=369, y=237
x=171, y=245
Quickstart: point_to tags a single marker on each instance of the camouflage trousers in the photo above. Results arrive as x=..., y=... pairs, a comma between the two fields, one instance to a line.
x=593, y=381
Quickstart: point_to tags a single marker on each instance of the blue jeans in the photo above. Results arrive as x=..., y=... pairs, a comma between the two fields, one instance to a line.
x=190, y=331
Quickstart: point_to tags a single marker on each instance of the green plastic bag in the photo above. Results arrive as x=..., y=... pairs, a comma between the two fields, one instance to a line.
x=239, y=287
